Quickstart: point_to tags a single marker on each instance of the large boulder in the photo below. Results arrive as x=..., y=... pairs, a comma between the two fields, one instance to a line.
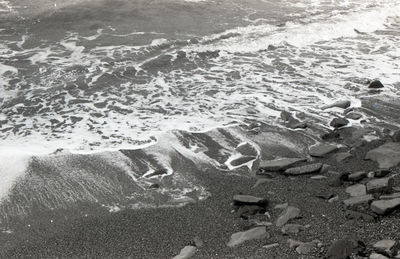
x=387, y=155
x=243, y=236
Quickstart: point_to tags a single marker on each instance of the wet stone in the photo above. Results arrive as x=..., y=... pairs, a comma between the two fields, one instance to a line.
x=353, y=116
x=375, y=84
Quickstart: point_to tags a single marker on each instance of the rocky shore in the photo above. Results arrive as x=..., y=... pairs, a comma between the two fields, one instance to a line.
x=338, y=197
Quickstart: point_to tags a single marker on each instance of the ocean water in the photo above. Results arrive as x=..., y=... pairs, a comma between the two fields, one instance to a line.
x=103, y=75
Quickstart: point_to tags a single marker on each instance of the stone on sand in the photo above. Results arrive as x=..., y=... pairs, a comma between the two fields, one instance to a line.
x=242, y=160
x=287, y=214
x=356, y=190
x=390, y=196
x=357, y=176
x=387, y=155
x=377, y=256
x=342, y=248
x=186, y=252
x=243, y=236
x=354, y=116
x=380, y=185
x=291, y=229
x=241, y=199
x=358, y=200
x=375, y=84
x=339, y=122
x=340, y=157
x=383, y=207
x=341, y=104
x=320, y=150
x=280, y=164
x=305, y=169
x=387, y=247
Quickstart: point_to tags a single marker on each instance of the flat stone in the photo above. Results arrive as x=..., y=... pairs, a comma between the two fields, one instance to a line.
x=387, y=155
x=241, y=199
x=306, y=248
x=242, y=160
x=340, y=157
x=340, y=104
x=294, y=243
x=377, y=256
x=186, y=252
x=280, y=164
x=318, y=177
x=291, y=229
x=356, y=190
x=287, y=214
x=243, y=236
x=390, y=196
x=353, y=116
x=375, y=84
x=383, y=207
x=339, y=122
x=357, y=176
x=381, y=173
x=320, y=150
x=380, y=185
x=281, y=206
x=271, y=245
x=396, y=136
x=387, y=247
x=351, y=214
x=247, y=149
x=341, y=249
x=306, y=169
x=358, y=200
x=299, y=125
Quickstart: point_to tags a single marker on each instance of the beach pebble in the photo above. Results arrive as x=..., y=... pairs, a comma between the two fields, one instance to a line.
x=356, y=190
x=287, y=214
x=339, y=122
x=305, y=169
x=387, y=155
x=320, y=150
x=271, y=246
x=243, y=236
x=380, y=185
x=383, y=207
x=186, y=252
x=375, y=84
x=280, y=164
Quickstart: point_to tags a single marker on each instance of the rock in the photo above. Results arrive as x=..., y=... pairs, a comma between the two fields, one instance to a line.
x=320, y=150
x=242, y=160
x=186, y=252
x=281, y=206
x=306, y=248
x=294, y=243
x=337, y=180
x=292, y=229
x=343, y=248
x=377, y=256
x=396, y=136
x=381, y=185
x=375, y=84
x=249, y=210
x=198, y=242
x=351, y=214
x=383, y=207
x=357, y=176
x=341, y=104
x=306, y=169
x=353, y=116
x=318, y=177
x=390, y=196
x=157, y=173
x=381, y=173
x=243, y=236
x=333, y=199
x=387, y=247
x=261, y=181
x=240, y=199
x=247, y=149
x=358, y=200
x=387, y=155
x=356, y=190
x=285, y=116
x=270, y=246
x=299, y=125
x=280, y=164
x=154, y=186
x=287, y=214
x=325, y=168
x=340, y=157
x=325, y=195
x=339, y=122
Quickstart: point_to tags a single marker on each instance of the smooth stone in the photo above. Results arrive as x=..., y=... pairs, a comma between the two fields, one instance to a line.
x=318, y=177
x=287, y=214
x=387, y=155
x=300, y=125
x=280, y=164
x=377, y=256
x=241, y=199
x=246, y=149
x=243, y=236
x=291, y=229
x=386, y=246
x=358, y=200
x=356, y=190
x=242, y=160
x=340, y=157
x=281, y=206
x=380, y=185
x=375, y=84
x=305, y=169
x=383, y=207
x=341, y=249
x=353, y=116
x=306, y=248
x=261, y=181
x=339, y=122
x=340, y=104
x=320, y=150
x=357, y=176
x=294, y=243
x=186, y=252
x=271, y=245
x=390, y=196
x=333, y=199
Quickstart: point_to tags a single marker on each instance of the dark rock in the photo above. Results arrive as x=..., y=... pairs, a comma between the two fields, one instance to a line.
x=344, y=248
x=320, y=150
x=247, y=150
x=381, y=185
x=337, y=180
x=382, y=173
x=383, y=207
x=280, y=164
x=339, y=122
x=341, y=104
x=287, y=214
x=375, y=84
x=357, y=176
x=365, y=199
x=330, y=135
x=251, y=234
x=396, y=136
x=285, y=116
x=387, y=155
x=154, y=186
x=249, y=210
x=299, y=125
x=249, y=200
x=242, y=160
x=305, y=169
x=356, y=215
x=353, y=116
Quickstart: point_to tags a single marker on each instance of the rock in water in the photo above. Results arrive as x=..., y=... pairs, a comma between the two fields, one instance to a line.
x=339, y=122
x=280, y=164
x=186, y=252
x=287, y=214
x=375, y=84
x=387, y=155
x=321, y=150
x=247, y=149
x=305, y=169
x=341, y=104
x=383, y=207
x=343, y=248
x=241, y=237
x=249, y=200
